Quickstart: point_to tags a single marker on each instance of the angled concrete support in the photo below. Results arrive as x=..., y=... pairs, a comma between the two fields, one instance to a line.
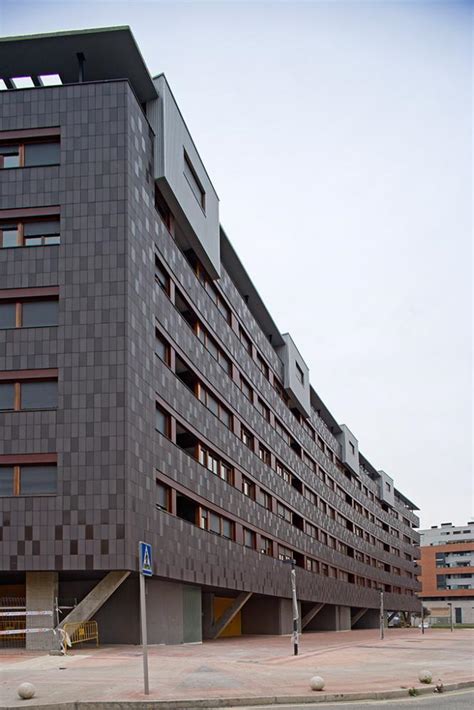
x=229, y=614
x=391, y=616
x=95, y=599
x=310, y=615
x=358, y=616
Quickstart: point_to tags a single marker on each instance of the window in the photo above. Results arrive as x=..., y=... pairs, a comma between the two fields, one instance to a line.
x=266, y=546
x=161, y=277
x=39, y=313
x=278, y=387
x=308, y=428
x=194, y=182
x=162, y=421
x=282, y=471
x=227, y=529
x=299, y=373
x=214, y=405
x=264, y=454
x=207, y=283
x=262, y=366
x=284, y=553
x=263, y=409
x=10, y=156
x=36, y=394
x=309, y=495
x=28, y=314
x=7, y=315
x=312, y=565
x=9, y=235
x=284, y=512
x=249, y=538
x=248, y=488
x=246, y=437
x=213, y=348
x=282, y=431
x=162, y=349
x=352, y=448
x=39, y=232
x=214, y=523
x=245, y=340
x=7, y=481
x=47, y=153
x=162, y=496
x=215, y=464
x=29, y=154
x=39, y=395
x=265, y=500
x=245, y=387
x=28, y=480
x=7, y=396
x=163, y=210
x=311, y=530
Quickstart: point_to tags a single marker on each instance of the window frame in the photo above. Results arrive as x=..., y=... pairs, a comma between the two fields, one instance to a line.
x=21, y=222
x=221, y=469
x=16, y=478
x=19, y=304
x=18, y=397
x=22, y=142
x=167, y=420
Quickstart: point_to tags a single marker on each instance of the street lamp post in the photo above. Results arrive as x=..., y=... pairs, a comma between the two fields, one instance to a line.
x=295, y=609
x=382, y=625
x=294, y=602
x=450, y=615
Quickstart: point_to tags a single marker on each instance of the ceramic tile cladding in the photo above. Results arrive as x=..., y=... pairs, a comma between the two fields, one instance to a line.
x=88, y=430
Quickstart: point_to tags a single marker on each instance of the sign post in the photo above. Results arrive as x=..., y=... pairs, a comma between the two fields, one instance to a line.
x=146, y=570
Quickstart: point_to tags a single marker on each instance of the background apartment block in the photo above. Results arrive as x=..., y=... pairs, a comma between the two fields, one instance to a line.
x=146, y=392
x=447, y=573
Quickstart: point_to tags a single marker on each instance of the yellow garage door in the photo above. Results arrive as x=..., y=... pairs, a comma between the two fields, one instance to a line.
x=235, y=626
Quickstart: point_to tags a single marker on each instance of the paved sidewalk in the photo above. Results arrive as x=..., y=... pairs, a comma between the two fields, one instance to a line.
x=352, y=661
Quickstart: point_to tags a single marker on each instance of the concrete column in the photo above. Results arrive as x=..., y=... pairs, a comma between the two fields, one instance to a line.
x=343, y=617
x=207, y=614
x=41, y=595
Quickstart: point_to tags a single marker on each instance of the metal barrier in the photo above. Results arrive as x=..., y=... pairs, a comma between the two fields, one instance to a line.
x=13, y=635
x=83, y=631
x=12, y=602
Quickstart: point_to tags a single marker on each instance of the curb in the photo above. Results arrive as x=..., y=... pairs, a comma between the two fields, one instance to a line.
x=264, y=700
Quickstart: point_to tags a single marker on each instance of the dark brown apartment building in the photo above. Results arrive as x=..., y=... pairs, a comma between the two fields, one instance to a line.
x=145, y=390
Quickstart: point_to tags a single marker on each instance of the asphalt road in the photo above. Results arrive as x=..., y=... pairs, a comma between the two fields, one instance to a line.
x=455, y=700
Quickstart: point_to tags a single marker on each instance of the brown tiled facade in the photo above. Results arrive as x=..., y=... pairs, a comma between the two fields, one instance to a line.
x=447, y=573
x=175, y=422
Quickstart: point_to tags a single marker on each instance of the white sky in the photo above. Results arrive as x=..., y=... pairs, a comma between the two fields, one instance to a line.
x=338, y=137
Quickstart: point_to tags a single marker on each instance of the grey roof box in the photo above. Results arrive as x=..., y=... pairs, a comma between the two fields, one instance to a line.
x=110, y=53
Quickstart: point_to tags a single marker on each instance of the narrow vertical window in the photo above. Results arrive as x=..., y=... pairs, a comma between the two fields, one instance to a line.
x=194, y=182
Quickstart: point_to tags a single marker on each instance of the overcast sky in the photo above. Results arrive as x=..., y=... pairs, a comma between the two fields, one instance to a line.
x=338, y=137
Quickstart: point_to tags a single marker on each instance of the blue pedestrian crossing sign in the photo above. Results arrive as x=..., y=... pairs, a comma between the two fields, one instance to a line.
x=146, y=560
